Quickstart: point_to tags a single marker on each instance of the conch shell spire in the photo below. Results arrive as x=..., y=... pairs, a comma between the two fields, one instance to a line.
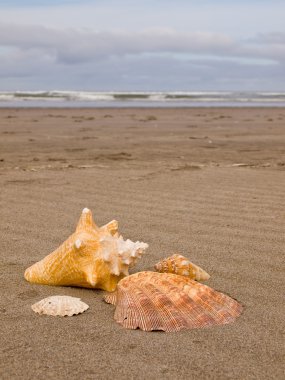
x=92, y=257
x=111, y=227
x=86, y=221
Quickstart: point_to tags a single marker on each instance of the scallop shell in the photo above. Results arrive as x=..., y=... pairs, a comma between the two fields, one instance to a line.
x=179, y=264
x=60, y=305
x=169, y=302
x=92, y=257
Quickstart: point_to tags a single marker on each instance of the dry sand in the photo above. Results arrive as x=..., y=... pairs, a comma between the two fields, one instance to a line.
x=169, y=176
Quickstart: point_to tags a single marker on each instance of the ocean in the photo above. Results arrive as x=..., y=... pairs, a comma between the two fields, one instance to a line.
x=140, y=99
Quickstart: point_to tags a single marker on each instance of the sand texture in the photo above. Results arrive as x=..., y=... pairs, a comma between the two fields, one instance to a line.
x=208, y=183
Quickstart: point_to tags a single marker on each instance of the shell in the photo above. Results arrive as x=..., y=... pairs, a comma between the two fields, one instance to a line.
x=179, y=264
x=92, y=257
x=169, y=302
x=60, y=305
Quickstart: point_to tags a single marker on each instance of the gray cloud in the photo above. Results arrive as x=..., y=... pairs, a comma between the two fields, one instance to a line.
x=79, y=45
x=270, y=38
x=147, y=60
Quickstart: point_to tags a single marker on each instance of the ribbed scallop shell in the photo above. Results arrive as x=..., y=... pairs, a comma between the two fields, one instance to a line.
x=169, y=302
x=179, y=264
x=92, y=257
x=60, y=305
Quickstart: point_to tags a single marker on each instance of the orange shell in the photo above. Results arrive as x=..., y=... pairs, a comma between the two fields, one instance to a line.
x=179, y=264
x=169, y=302
x=91, y=257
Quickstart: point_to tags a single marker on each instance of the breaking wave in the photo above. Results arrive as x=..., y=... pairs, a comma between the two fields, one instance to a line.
x=147, y=99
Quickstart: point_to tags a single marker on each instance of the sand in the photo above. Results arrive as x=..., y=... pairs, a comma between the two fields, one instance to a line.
x=208, y=183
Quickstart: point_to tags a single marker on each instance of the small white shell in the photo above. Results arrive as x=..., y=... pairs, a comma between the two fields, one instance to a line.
x=60, y=305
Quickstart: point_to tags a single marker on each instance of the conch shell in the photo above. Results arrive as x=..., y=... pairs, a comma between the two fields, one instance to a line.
x=60, y=305
x=169, y=302
x=179, y=264
x=92, y=257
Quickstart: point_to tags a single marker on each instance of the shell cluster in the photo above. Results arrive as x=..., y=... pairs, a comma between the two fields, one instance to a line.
x=99, y=257
x=179, y=264
x=60, y=306
x=169, y=302
x=92, y=257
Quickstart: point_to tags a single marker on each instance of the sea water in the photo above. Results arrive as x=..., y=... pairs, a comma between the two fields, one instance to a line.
x=141, y=99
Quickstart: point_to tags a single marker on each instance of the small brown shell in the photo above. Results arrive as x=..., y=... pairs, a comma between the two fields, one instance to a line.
x=169, y=302
x=60, y=305
x=179, y=264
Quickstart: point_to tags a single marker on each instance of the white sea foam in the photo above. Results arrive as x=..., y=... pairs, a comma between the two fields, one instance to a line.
x=174, y=98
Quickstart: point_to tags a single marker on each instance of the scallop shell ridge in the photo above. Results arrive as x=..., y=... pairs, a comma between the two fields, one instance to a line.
x=169, y=302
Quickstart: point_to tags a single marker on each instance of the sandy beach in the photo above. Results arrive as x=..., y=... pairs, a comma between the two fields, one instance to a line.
x=208, y=183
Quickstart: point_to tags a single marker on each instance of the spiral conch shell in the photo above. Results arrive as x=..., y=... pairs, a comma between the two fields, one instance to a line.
x=179, y=264
x=60, y=305
x=92, y=257
x=169, y=302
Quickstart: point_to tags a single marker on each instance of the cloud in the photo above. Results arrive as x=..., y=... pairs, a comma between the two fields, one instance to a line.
x=270, y=38
x=139, y=73
x=80, y=45
x=159, y=58
x=235, y=18
x=32, y=3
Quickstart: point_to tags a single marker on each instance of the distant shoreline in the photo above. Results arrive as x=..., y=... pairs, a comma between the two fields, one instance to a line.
x=170, y=99
x=138, y=106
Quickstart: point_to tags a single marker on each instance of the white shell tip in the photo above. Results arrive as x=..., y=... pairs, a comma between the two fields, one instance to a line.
x=78, y=243
x=85, y=210
x=115, y=271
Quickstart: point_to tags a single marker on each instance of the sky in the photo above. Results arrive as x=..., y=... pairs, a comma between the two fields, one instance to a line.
x=150, y=45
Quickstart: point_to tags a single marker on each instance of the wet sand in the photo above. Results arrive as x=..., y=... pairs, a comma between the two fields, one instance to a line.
x=208, y=183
